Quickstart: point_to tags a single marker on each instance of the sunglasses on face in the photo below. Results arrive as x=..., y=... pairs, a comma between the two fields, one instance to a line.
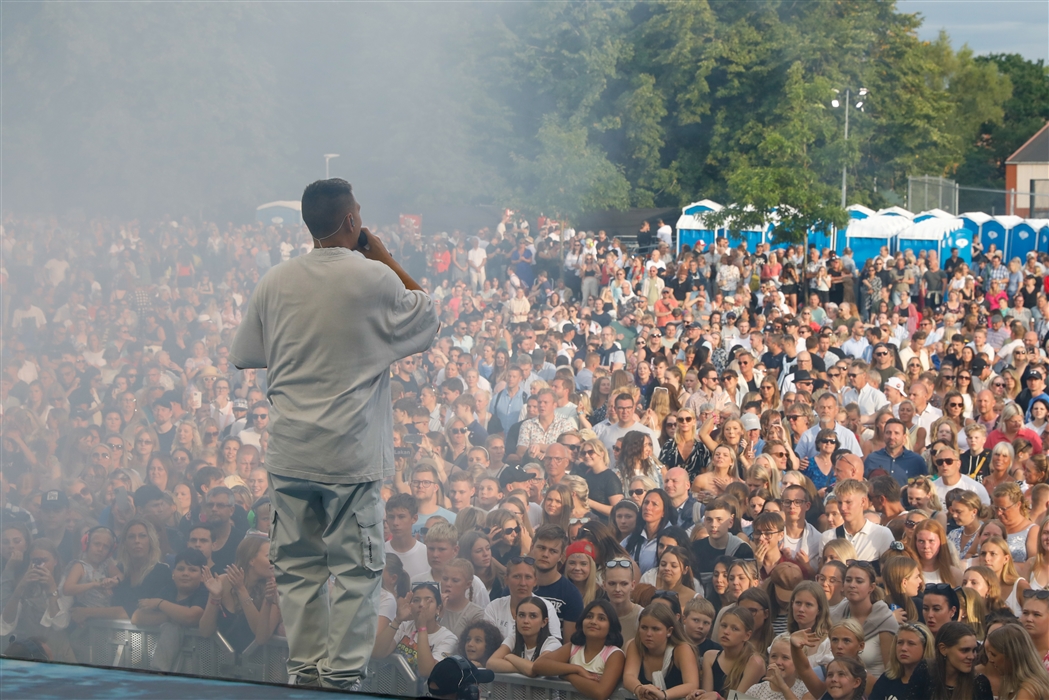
x=637, y=492
x=260, y=416
x=507, y=531
x=944, y=460
x=459, y=431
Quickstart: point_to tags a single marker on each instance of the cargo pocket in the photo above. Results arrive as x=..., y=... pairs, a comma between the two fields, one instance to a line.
x=369, y=523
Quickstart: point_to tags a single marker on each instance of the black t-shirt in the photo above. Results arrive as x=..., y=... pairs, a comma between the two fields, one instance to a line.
x=565, y=597
x=708, y=645
x=164, y=440
x=704, y=555
x=225, y=556
x=196, y=599
x=895, y=689
x=603, y=486
x=153, y=586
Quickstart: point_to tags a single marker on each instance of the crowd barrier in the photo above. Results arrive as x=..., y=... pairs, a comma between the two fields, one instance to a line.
x=122, y=644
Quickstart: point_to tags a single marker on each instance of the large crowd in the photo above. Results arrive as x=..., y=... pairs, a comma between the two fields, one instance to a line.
x=786, y=473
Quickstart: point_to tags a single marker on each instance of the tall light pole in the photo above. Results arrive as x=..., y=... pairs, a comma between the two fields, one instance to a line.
x=859, y=105
x=329, y=156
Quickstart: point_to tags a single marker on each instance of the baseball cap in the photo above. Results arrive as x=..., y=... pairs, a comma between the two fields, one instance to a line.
x=978, y=364
x=582, y=547
x=240, y=404
x=513, y=475
x=750, y=422
x=54, y=500
x=897, y=384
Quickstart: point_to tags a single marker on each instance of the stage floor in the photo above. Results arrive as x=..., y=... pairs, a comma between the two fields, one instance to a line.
x=33, y=680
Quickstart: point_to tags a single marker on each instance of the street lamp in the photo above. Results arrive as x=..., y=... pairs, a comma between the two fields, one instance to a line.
x=329, y=156
x=835, y=103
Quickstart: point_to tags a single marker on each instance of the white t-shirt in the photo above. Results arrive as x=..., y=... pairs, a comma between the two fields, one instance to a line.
x=967, y=483
x=870, y=542
x=414, y=559
x=442, y=643
x=498, y=613
x=477, y=256
x=387, y=605
x=809, y=542
x=550, y=644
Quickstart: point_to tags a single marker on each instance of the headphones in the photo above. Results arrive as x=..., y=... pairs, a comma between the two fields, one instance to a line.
x=87, y=538
x=468, y=687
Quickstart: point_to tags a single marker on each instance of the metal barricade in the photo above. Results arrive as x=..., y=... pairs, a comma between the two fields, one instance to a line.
x=513, y=686
x=391, y=676
x=121, y=644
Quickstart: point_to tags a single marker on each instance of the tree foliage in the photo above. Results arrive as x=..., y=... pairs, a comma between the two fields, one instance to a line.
x=555, y=106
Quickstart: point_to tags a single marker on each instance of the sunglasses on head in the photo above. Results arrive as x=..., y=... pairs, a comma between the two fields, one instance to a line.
x=624, y=563
x=522, y=560
x=1042, y=594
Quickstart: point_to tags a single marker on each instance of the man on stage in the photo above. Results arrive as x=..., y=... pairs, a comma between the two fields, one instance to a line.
x=327, y=326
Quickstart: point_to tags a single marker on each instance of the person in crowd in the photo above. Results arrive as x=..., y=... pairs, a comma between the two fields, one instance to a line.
x=660, y=660
x=181, y=606
x=37, y=608
x=737, y=665
x=458, y=609
x=996, y=555
x=930, y=549
x=953, y=675
x=531, y=638
x=581, y=569
x=940, y=605
x=548, y=554
x=478, y=642
x=863, y=603
x=907, y=675
x=521, y=580
x=416, y=632
x=593, y=659
x=242, y=603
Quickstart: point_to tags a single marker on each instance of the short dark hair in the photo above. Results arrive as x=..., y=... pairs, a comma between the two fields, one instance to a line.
x=204, y=476
x=886, y=487
x=551, y=533
x=405, y=501
x=324, y=205
x=193, y=557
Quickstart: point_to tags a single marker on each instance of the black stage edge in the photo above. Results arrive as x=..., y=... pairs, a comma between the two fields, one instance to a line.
x=43, y=680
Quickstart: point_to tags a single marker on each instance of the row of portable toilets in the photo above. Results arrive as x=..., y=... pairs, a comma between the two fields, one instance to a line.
x=895, y=228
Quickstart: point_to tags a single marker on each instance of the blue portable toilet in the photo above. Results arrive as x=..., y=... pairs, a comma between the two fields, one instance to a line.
x=974, y=222
x=867, y=236
x=280, y=213
x=748, y=237
x=1023, y=239
x=930, y=231
x=691, y=227
x=856, y=212
x=996, y=230
x=1041, y=226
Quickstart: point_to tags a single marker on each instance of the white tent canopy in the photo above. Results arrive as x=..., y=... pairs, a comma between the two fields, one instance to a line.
x=878, y=226
x=932, y=229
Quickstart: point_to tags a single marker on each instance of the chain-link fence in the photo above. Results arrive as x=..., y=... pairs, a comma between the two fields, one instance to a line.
x=925, y=193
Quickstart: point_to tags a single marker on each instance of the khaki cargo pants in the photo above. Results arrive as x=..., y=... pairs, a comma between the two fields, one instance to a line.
x=321, y=530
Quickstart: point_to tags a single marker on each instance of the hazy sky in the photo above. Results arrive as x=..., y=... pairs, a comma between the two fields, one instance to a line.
x=987, y=26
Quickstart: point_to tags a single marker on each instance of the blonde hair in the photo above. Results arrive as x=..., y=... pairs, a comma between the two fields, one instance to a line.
x=1015, y=644
x=852, y=625
x=893, y=669
x=841, y=548
x=1009, y=572
x=466, y=568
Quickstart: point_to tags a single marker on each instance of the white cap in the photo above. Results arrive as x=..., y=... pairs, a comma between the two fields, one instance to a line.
x=897, y=384
x=750, y=422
